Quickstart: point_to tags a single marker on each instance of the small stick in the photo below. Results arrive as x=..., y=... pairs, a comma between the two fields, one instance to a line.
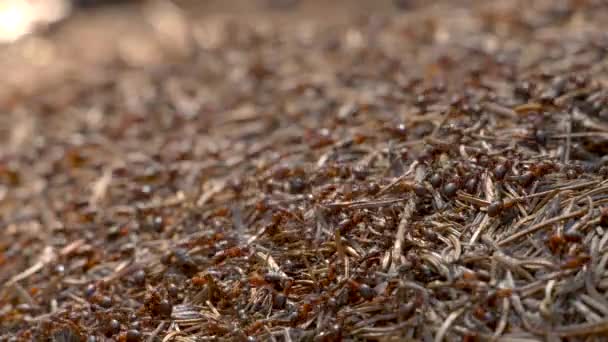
x=502, y=323
x=408, y=211
x=446, y=324
x=566, y=156
x=581, y=329
x=398, y=179
x=156, y=331
x=501, y=110
x=541, y=225
x=471, y=199
x=365, y=204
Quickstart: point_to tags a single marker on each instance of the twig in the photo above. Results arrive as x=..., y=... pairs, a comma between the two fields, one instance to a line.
x=541, y=225
x=446, y=324
x=156, y=331
x=365, y=204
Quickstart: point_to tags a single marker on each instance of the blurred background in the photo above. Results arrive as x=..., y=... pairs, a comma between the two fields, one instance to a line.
x=43, y=42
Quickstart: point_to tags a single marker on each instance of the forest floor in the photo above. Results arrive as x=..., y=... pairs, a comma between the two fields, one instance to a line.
x=309, y=172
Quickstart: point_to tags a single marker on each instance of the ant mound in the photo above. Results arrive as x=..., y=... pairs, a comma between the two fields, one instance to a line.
x=437, y=173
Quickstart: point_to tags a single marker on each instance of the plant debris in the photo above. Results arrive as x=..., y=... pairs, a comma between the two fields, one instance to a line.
x=433, y=174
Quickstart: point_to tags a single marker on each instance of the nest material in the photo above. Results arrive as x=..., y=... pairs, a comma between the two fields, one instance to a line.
x=438, y=174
